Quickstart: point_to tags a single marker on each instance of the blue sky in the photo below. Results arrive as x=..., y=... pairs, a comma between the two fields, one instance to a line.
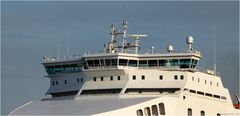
x=31, y=30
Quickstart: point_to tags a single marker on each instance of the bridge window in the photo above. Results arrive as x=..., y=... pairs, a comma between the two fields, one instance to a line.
x=139, y=112
x=154, y=110
x=152, y=63
x=162, y=62
x=123, y=62
x=102, y=62
x=174, y=62
x=114, y=62
x=189, y=112
x=184, y=63
x=147, y=111
x=132, y=63
x=143, y=63
x=161, y=109
x=96, y=63
x=108, y=62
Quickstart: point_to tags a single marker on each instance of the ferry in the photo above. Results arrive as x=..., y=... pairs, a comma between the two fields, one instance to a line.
x=124, y=80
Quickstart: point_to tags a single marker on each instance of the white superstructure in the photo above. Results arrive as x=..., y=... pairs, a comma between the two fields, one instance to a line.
x=123, y=80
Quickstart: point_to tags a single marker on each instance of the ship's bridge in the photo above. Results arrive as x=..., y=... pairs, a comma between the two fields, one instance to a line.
x=181, y=59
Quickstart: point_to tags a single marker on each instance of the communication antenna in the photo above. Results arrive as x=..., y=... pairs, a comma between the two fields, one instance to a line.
x=214, y=57
x=68, y=49
x=58, y=48
x=214, y=51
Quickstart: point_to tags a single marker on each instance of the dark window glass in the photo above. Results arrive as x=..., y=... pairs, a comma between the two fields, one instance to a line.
x=134, y=77
x=56, y=82
x=181, y=77
x=101, y=78
x=202, y=113
x=205, y=81
x=208, y=94
x=192, y=78
x=174, y=62
x=77, y=80
x=143, y=77
x=143, y=63
x=119, y=78
x=94, y=79
x=216, y=96
x=161, y=109
x=198, y=80
x=123, y=62
x=200, y=93
x=189, y=112
x=161, y=77
x=102, y=62
x=65, y=81
x=114, y=62
x=152, y=63
x=53, y=83
x=210, y=82
x=81, y=79
x=108, y=62
x=154, y=110
x=96, y=63
x=90, y=63
x=147, y=111
x=175, y=77
x=218, y=114
x=139, y=112
x=162, y=62
x=184, y=63
x=192, y=91
x=111, y=78
x=132, y=63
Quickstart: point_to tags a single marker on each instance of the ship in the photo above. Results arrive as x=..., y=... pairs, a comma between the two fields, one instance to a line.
x=124, y=80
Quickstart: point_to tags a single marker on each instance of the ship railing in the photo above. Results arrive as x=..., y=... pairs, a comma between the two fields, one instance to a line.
x=51, y=58
x=147, y=52
x=205, y=70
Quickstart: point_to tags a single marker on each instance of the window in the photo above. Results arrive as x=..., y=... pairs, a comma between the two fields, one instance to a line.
x=96, y=63
x=175, y=77
x=134, y=77
x=65, y=81
x=217, y=84
x=154, y=110
x=200, y=93
x=192, y=91
x=205, y=81
x=132, y=63
x=162, y=62
x=216, y=96
x=198, y=80
x=56, y=82
x=147, y=111
x=210, y=82
x=114, y=62
x=77, y=80
x=161, y=77
x=208, y=94
x=202, y=113
x=189, y=112
x=218, y=114
x=161, y=109
x=152, y=63
x=101, y=78
x=143, y=77
x=143, y=63
x=107, y=62
x=94, y=78
x=123, y=62
x=223, y=97
x=139, y=112
x=181, y=77
x=81, y=79
x=53, y=83
x=119, y=78
x=192, y=78
x=184, y=63
x=111, y=78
